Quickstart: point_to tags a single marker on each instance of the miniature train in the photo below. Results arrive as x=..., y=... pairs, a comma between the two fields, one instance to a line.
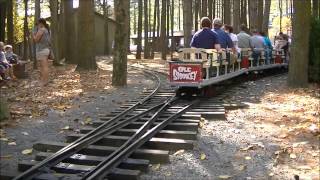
x=199, y=68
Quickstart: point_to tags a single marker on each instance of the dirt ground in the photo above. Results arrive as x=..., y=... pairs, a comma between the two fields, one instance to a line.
x=71, y=101
x=276, y=137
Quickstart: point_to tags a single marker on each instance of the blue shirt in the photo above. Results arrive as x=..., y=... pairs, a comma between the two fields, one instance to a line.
x=224, y=38
x=267, y=42
x=204, y=38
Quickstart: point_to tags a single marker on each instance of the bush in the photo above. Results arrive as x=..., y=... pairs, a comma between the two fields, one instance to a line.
x=314, y=51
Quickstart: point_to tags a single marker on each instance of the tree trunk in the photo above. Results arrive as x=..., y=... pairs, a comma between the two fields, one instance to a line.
x=298, y=70
x=315, y=8
x=204, y=8
x=25, y=31
x=163, y=30
x=146, y=49
x=155, y=22
x=187, y=22
x=10, y=38
x=236, y=15
x=260, y=15
x=70, y=38
x=280, y=10
x=179, y=15
x=86, y=35
x=55, y=30
x=266, y=14
x=210, y=4
x=134, y=19
x=214, y=9
x=227, y=12
x=139, y=38
x=243, y=14
x=106, y=27
x=196, y=12
x=37, y=15
x=253, y=13
x=173, y=43
x=2, y=20
x=119, y=73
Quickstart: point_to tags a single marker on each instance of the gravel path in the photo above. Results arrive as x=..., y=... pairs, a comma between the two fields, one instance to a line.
x=58, y=124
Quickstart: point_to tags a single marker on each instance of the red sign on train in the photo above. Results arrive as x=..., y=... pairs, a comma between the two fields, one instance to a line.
x=185, y=73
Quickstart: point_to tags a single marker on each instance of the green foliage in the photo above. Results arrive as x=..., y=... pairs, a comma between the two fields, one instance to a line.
x=314, y=53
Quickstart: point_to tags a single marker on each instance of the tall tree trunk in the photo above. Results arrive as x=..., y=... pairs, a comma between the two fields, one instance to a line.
x=196, y=13
x=243, y=14
x=253, y=13
x=236, y=15
x=55, y=30
x=119, y=73
x=139, y=37
x=70, y=38
x=25, y=31
x=204, y=11
x=210, y=4
x=163, y=30
x=37, y=15
x=106, y=27
x=298, y=70
x=3, y=9
x=315, y=8
x=179, y=15
x=146, y=49
x=266, y=14
x=173, y=43
x=187, y=22
x=86, y=35
x=10, y=38
x=134, y=18
x=280, y=10
x=155, y=22
x=214, y=9
x=227, y=12
x=260, y=15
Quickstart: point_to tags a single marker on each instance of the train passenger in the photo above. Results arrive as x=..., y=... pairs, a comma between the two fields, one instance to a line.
x=229, y=30
x=256, y=44
x=243, y=37
x=223, y=37
x=268, y=45
x=205, y=38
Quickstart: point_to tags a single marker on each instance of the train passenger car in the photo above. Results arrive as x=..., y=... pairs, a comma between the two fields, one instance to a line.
x=199, y=68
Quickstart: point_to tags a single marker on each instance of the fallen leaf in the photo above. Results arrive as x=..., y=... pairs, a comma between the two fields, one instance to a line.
x=202, y=156
x=27, y=151
x=156, y=167
x=179, y=152
x=4, y=139
x=6, y=157
x=66, y=128
x=304, y=167
x=25, y=133
x=12, y=143
x=293, y=156
x=242, y=167
x=247, y=158
x=225, y=177
x=271, y=174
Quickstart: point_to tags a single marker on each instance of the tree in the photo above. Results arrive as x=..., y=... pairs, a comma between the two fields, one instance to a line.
x=227, y=12
x=173, y=43
x=2, y=20
x=243, y=15
x=139, y=37
x=266, y=13
x=260, y=15
x=155, y=22
x=119, y=73
x=315, y=8
x=163, y=34
x=187, y=22
x=298, y=70
x=86, y=35
x=204, y=11
x=10, y=32
x=280, y=10
x=210, y=5
x=70, y=38
x=25, y=31
x=106, y=27
x=196, y=13
x=236, y=15
x=146, y=49
x=253, y=14
x=55, y=30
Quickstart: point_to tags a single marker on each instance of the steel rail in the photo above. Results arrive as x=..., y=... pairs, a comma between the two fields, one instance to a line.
x=58, y=156
x=142, y=130
x=107, y=165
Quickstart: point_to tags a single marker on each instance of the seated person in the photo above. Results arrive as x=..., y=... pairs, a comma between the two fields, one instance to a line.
x=10, y=56
x=256, y=43
x=205, y=38
x=5, y=66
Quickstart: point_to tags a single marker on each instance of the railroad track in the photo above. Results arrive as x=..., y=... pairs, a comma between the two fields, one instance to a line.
x=122, y=144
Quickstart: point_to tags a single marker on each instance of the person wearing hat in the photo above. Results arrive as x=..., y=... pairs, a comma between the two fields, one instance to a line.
x=205, y=38
x=5, y=66
x=223, y=37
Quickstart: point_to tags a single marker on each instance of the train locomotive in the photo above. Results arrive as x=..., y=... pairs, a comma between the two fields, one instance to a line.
x=197, y=68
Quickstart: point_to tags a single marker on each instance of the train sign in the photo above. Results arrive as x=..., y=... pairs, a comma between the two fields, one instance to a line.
x=185, y=73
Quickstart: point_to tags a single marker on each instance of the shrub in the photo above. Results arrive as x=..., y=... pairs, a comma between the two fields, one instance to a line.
x=314, y=51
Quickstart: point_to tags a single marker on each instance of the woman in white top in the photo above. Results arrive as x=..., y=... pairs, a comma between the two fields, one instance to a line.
x=229, y=30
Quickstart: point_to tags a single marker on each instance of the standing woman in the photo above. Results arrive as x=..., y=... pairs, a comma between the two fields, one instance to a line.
x=41, y=36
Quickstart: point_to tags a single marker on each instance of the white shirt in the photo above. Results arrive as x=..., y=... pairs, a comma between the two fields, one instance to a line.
x=235, y=40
